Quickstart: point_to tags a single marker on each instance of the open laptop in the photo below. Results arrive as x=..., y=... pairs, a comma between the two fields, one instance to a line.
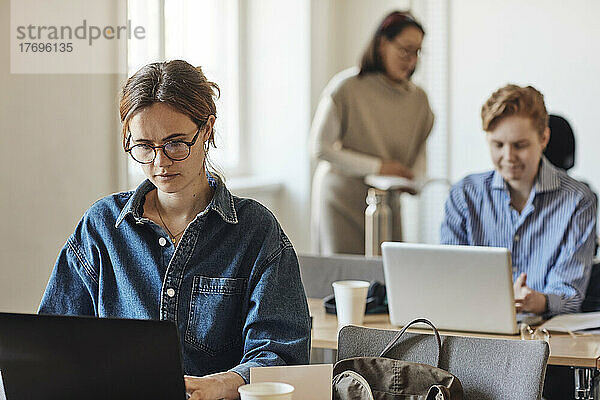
x=59, y=357
x=463, y=288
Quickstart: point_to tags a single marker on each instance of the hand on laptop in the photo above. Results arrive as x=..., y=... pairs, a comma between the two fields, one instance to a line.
x=527, y=299
x=222, y=385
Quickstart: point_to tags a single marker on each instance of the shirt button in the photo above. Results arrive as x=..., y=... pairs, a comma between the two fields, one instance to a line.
x=170, y=292
x=162, y=241
x=517, y=237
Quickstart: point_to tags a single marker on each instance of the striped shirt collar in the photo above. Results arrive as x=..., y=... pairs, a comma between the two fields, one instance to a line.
x=546, y=180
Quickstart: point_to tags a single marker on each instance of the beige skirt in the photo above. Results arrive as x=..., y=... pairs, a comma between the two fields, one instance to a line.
x=338, y=212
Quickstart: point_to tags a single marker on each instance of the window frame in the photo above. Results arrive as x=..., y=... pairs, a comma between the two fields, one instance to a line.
x=154, y=12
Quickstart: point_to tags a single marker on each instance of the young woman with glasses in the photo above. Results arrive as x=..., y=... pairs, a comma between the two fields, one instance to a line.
x=375, y=121
x=182, y=248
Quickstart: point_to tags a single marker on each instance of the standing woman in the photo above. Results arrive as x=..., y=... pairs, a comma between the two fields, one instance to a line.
x=182, y=248
x=375, y=121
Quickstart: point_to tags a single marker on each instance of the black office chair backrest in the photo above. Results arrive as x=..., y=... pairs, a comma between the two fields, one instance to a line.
x=591, y=302
x=560, y=150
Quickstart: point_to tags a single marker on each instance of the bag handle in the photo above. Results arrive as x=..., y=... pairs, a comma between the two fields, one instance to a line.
x=394, y=341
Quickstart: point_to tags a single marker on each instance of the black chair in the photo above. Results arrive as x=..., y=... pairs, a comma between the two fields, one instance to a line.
x=591, y=301
x=560, y=150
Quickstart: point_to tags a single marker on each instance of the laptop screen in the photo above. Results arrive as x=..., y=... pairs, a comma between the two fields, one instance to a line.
x=60, y=357
x=463, y=288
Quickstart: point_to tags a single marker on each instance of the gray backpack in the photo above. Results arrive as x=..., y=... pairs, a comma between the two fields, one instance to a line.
x=382, y=378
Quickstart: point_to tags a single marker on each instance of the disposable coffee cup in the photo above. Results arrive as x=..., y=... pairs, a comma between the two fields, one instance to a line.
x=350, y=301
x=266, y=391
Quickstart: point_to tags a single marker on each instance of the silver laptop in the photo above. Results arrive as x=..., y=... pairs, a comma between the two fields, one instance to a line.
x=462, y=288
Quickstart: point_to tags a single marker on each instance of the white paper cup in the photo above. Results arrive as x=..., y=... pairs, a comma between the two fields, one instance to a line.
x=266, y=391
x=350, y=301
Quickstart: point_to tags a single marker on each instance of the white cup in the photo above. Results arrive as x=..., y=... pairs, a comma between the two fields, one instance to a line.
x=266, y=391
x=350, y=301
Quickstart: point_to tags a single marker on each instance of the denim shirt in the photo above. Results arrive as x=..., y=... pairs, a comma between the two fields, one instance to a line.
x=231, y=285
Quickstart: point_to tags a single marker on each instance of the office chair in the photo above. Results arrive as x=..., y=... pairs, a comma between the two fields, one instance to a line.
x=560, y=150
x=591, y=301
x=489, y=369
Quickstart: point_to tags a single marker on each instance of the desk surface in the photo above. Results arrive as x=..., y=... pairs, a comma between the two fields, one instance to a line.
x=577, y=351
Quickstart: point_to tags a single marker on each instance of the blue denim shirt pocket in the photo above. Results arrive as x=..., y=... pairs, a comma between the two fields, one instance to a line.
x=215, y=317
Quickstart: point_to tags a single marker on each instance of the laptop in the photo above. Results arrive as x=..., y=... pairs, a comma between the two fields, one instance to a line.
x=64, y=357
x=462, y=288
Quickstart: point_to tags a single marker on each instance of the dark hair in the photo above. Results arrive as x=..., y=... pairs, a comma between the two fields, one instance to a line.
x=175, y=83
x=393, y=24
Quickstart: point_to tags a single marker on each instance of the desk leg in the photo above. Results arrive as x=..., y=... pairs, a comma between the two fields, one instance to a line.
x=586, y=383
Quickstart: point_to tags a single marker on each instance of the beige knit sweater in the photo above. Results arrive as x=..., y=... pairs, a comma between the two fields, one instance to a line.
x=361, y=121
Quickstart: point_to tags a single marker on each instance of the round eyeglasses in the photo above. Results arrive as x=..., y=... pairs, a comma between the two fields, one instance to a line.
x=175, y=150
x=406, y=52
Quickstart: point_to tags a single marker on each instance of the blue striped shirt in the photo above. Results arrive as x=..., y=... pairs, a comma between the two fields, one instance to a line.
x=552, y=239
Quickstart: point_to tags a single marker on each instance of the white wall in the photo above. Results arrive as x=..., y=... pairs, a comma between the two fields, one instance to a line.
x=275, y=99
x=552, y=45
x=59, y=135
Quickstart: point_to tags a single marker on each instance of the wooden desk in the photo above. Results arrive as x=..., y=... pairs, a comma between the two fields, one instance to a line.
x=578, y=351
